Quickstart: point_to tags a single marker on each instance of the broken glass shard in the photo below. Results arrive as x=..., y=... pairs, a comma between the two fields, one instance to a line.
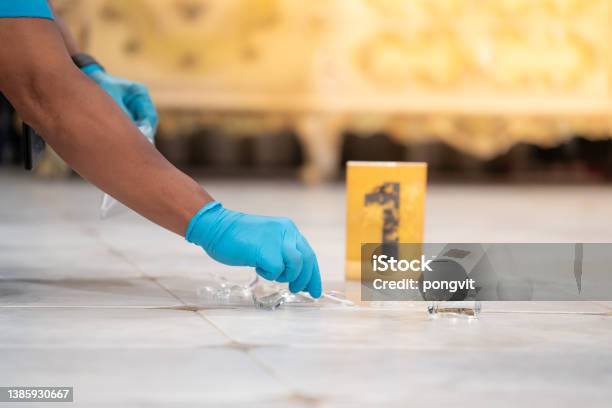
x=468, y=309
x=220, y=292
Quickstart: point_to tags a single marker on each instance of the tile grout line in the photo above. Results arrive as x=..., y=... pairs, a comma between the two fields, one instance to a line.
x=202, y=317
x=602, y=304
x=258, y=361
x=162, y=286
x=144, y=275
x=293, y=393
x=118, y=254
x=243, y=348
x=533, y=312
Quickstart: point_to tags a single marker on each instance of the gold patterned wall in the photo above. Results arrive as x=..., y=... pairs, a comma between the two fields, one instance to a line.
x=502, y=46
x=479, y=74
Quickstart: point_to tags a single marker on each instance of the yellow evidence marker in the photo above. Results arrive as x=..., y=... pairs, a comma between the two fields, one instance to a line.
x=385, y=204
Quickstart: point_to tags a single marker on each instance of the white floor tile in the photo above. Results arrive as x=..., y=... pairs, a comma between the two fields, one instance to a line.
x=51, y=328
x=544, y=307
x=83, y=293
x=413, y=330
x=470, y=378
x=92, y=261
x=186, y=288
x=69, y=280
x=47, y=234
x=190, y=261
x=166, y=377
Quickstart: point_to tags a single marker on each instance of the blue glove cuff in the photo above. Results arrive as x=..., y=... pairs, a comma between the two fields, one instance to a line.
x=198, y=231
x=90, y=69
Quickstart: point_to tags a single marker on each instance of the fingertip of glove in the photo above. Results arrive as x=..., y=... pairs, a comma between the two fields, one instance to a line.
x=315, y=295
x=315, y=286
x=316, y=292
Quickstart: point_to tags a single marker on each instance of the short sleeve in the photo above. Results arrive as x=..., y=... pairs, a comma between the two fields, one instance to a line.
x=25, y=8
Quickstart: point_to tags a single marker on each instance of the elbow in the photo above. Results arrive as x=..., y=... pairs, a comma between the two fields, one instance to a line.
x=36, y=93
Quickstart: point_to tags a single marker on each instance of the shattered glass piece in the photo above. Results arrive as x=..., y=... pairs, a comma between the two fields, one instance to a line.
x=220, y=292
x=335, y=297
x=270, y=296
x=269, y=302
x=467, y=309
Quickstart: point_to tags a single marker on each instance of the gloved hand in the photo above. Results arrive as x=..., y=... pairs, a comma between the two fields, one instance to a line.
x=273, y=246
x=132, y=97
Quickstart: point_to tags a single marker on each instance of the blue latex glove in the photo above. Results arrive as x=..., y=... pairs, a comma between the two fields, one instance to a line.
x=132, y=97
x=273, y=246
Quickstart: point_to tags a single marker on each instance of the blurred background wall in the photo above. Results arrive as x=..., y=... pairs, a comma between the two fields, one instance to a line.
x=509, y=89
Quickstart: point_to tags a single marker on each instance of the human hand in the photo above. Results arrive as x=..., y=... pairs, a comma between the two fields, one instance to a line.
x=132, y=97
x=273, y=246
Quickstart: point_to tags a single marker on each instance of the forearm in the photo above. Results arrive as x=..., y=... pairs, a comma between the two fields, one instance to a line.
x=87, y=129
x=97, y=139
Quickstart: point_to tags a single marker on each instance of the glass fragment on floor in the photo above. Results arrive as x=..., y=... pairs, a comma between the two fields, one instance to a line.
x=454, y=309
x=218, y=291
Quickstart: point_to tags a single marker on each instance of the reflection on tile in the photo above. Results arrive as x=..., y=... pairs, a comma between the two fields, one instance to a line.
x=166, y=377
x=62, y=262
x=156, y=252
x=405, y=329
x=126, y=344
x=137, y=236
x=48, y=234
x=502, y=213
x=105, y=328
x=480, y=378
x=67, y=272
x=607, y=305
x=544, y=307
x=84, y=293
x=186, y=288
x=191, y=261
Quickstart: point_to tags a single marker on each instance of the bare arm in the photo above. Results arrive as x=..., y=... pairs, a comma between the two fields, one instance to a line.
x=87, y=129
x=71, y=43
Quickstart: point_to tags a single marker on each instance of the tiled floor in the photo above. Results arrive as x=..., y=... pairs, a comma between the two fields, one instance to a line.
x=108, y=307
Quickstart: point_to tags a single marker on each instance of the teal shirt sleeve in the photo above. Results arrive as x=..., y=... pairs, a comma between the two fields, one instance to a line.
x=25, y=8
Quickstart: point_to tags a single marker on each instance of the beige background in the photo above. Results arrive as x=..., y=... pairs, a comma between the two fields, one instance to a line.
x=479, y=75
